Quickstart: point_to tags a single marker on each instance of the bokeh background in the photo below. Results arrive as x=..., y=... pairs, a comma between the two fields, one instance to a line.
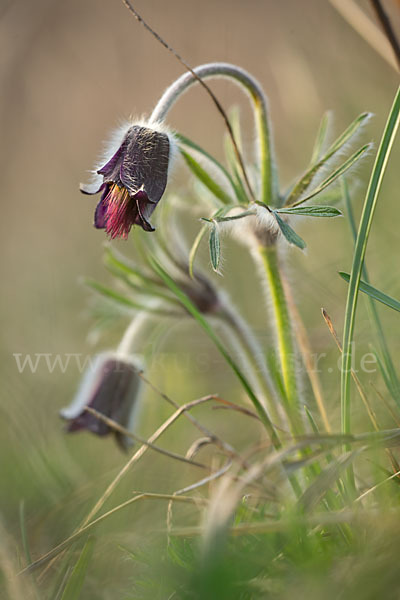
x=69, y=72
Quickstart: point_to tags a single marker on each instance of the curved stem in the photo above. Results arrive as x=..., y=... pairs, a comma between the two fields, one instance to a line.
x=134, y=329
x=269, y=185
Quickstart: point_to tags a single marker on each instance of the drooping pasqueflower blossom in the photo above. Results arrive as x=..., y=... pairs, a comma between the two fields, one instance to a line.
x=112, y=387
x=134, y=178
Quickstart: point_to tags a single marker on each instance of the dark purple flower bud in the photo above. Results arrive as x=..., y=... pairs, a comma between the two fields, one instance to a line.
x=112, y=387
x=134, y=179
x=202, y=293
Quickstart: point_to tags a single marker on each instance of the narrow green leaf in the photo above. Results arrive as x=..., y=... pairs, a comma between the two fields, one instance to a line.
x=215, y=247
x=187, y=142
x=111, y=294
x=206, y=179
x=76, y=580
x=374, y=293
x=306, y=180
x=246, y=213
x=348, y=133
x=289, y=233
x=311, y=419
x=231, y=157
x=111, y=260
x=241, y=197
x=195, y=247
x=240, y=190
x=321, y=135
x=134, y=278
x=24, y=536
x=323, y=482
x=311, y=211
x=371, y=199
x=118, y=298
x=335, y=175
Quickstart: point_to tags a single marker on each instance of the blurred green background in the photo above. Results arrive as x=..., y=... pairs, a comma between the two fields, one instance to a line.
x=69, y=72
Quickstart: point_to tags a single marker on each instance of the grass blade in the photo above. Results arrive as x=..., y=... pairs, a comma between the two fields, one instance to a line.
x=374, y=187
x=75, y=582
x=386, y=363
x=372, y=292
x=24, y=536
x=323, y=482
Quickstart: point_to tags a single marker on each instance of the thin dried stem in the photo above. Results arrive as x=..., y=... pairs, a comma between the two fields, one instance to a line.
x=360, y=388
x=386, y=403
x=215, y=475
x=185, y=411
x=77, y=534
x=378, y=485
x=317, y=520
x=366, y=28
x=306, y=353
x=367, y=405
x=141, y=451
x=181, y=410
x=117, y=427
x=384, y=20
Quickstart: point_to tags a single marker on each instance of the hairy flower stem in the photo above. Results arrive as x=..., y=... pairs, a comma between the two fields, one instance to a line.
x=268, y=193
x=254, y=359
x=134, y=332
x=252, y=353
x=287, y=356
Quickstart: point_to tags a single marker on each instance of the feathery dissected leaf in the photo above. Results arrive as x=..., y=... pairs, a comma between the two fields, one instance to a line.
x=341, y=170
x=306, y=180
x=320, y=139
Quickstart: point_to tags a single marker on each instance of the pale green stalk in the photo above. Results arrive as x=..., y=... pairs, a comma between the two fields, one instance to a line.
x=286, y=349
